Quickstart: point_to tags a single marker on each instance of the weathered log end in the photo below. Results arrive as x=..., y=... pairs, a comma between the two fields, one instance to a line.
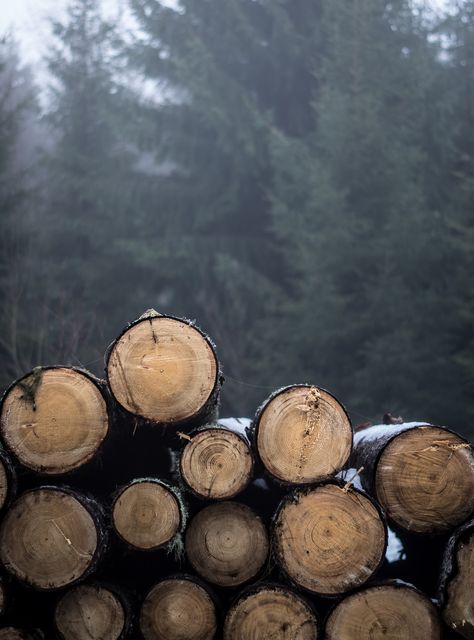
x=270, y=611
x=178, y=609
x=303, y=434
x=329, y=539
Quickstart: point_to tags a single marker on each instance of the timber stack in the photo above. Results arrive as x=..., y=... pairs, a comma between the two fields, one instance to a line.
x=129, y=509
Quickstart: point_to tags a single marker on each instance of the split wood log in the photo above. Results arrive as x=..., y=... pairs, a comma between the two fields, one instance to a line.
x=54, y=419
x=422, y=475
x=302, y=434
x=216, y=463
x=456, y=589
x=165, y=370
x=7, y=480
x=329, y=539
x=91, y=611
x=148, y=513
x=270, y=611
x=178, y=609
x=227, y=544
x=51, y=537
x=397, y=611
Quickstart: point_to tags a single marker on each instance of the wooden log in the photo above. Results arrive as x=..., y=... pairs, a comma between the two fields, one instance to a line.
x=54, y=419
x=92, y=611
x=148, y=513
x=270, y=611
x=422, y=475
x=165, y=370
x=179, y=608
x=227, y=544
x=302, y=434
x=456, y=587
x=216, y=463
x=329, y=539
x=51, y=537
x=396, y=611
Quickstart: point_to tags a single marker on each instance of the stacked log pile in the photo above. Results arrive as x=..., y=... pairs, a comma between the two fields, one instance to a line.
x=130, y=510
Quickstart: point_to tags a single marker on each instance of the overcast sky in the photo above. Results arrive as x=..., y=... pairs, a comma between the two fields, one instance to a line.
x=28, y=18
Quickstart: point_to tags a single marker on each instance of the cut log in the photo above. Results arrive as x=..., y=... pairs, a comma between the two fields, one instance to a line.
x=148, y=513
x=164, y=370
x=51, y=537
x=423, y=476
x=54, y=419
x=456, y=588
x=329, y=539
x=396, y=611
x=178, y=609
x=270, y=611
x=303, y=434
x=7, y=480
x=216, y=463
x=91, y=611
x=227, y=543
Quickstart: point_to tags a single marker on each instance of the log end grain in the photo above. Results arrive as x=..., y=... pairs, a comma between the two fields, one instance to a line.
x=227, y=543
x=90, y=611
x=147, y=514
x=270, y=612
x=48, y=538
x=216, y=464
x=303, y=435
x=178, y=609
x=386, y=611
x=424, y=480
x=329, y=540
x=163, y=369
x=54, y=420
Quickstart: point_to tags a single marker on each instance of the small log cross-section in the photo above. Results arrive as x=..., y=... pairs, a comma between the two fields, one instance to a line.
x=270, y=611
x=147, y=514
x=178, y=609
x=227, y=543
x=54, y=419
x=395, y=611
x=90, y=611
x=51, y=537
x=216, y=464
x=164, y=370
x=303, y=434
x=423, y=476
x=457, y=582
x=329, y=539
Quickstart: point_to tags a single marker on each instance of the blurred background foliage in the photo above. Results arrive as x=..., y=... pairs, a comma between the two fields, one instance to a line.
x=297, y=176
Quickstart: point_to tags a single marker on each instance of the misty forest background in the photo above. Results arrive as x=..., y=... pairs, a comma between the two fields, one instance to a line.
x=298, y=176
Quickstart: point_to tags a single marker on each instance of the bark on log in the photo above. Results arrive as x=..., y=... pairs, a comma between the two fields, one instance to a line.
x=179, y=608
x=227, y=544
x=8, y=481
x=164, y=370
x=51, y=537
x=15, y=633
x=302, y=434
x=422, y=475
x=456, y=588
x=92, y=611
x=148, y=513
x=54, y=419
x=329, y=539
x=270, y=611
x=397, y=611
x=216, y=463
